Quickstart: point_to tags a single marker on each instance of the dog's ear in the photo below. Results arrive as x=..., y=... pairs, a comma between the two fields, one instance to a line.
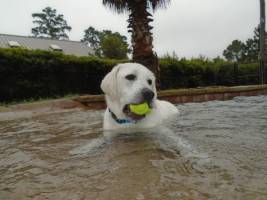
x=109, y=83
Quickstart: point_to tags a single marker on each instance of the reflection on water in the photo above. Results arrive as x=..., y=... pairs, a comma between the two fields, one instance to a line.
x=213, y=150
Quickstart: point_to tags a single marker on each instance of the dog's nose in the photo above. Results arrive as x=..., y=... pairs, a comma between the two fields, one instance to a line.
x=148, y=94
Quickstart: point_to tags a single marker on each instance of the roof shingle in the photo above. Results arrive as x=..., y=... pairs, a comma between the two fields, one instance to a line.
x=68, y=47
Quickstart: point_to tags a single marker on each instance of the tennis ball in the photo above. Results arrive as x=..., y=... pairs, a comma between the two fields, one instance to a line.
x=140, y=109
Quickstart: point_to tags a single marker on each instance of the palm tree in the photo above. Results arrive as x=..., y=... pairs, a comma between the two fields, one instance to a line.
x=139, y=19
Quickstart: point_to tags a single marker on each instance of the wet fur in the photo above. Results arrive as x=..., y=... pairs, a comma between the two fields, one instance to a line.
x=120, y=91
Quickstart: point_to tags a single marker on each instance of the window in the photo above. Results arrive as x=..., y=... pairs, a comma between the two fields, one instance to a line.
x=13, y=44
x=55, y=47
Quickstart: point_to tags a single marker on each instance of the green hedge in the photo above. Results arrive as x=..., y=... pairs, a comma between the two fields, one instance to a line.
x=26, y=74
x=184, y=73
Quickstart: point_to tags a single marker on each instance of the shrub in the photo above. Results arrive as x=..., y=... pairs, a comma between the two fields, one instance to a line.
x=37, y=74
x=27, y=74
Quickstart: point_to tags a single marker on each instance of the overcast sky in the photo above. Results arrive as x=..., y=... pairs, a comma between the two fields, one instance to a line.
x=188, y=27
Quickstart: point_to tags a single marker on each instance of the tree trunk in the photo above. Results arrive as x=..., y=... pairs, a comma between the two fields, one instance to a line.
x=262, y=42
x=139, y=20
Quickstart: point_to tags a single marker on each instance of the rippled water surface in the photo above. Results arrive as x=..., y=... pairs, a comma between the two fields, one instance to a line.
x=213, y=150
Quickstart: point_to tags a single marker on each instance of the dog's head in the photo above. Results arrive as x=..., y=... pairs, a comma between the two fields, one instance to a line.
x=126, y=84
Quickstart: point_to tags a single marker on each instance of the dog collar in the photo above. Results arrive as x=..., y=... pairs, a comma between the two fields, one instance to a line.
x=121, y=121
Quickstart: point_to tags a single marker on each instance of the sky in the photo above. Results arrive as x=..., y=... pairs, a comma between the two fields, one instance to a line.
x=189, y=28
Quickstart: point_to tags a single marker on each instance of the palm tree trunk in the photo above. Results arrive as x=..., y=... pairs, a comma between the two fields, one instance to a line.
x=139, y=20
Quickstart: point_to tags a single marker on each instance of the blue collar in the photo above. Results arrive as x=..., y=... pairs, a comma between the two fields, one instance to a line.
x=121, y=121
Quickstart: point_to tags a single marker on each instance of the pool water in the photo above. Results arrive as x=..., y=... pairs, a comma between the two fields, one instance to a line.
x=213, y=150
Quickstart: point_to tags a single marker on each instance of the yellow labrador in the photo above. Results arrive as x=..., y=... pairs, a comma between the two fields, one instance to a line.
x=132, y=83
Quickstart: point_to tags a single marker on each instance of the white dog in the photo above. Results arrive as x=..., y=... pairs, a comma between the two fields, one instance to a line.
x=132, y=83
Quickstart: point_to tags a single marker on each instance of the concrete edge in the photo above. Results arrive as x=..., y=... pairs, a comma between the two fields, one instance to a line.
x=45, y=105
x=86, y=99
x=96, y=102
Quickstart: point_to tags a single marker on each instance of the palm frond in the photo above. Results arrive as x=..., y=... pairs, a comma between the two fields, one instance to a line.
x=118, y=5
x=123, y=5
x=155, y=4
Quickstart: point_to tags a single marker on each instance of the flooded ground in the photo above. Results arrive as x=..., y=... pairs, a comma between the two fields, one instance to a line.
x=213, y=150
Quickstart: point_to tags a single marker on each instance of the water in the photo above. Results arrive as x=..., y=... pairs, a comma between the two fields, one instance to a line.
x=213, y=150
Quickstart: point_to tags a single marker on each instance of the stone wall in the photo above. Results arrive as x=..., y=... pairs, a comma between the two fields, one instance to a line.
x=186, y=95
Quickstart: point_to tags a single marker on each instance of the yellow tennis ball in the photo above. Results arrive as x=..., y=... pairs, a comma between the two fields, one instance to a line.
x=140, y=109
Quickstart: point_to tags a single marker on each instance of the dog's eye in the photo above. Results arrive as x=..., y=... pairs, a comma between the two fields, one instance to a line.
x=130, y=77
x=149, y=81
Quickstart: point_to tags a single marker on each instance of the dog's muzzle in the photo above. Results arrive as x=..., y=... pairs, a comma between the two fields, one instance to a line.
x=147, y=96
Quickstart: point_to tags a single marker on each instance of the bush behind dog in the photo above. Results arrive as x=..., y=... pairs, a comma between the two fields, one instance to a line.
x=34, y=74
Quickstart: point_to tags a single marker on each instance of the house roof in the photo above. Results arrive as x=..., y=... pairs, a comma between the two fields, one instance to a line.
x=68, y=47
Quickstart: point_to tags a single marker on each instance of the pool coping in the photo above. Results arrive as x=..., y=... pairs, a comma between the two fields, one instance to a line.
x=189, y=95
x=177, y=96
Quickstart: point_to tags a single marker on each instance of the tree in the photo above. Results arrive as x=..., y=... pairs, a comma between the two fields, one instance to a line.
x=252, y=47
x=235, y=51
x=244, y=52
x=106, y=43
x=139, y=19
x=91, y=37
x=50, y=24
x=113, y=45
